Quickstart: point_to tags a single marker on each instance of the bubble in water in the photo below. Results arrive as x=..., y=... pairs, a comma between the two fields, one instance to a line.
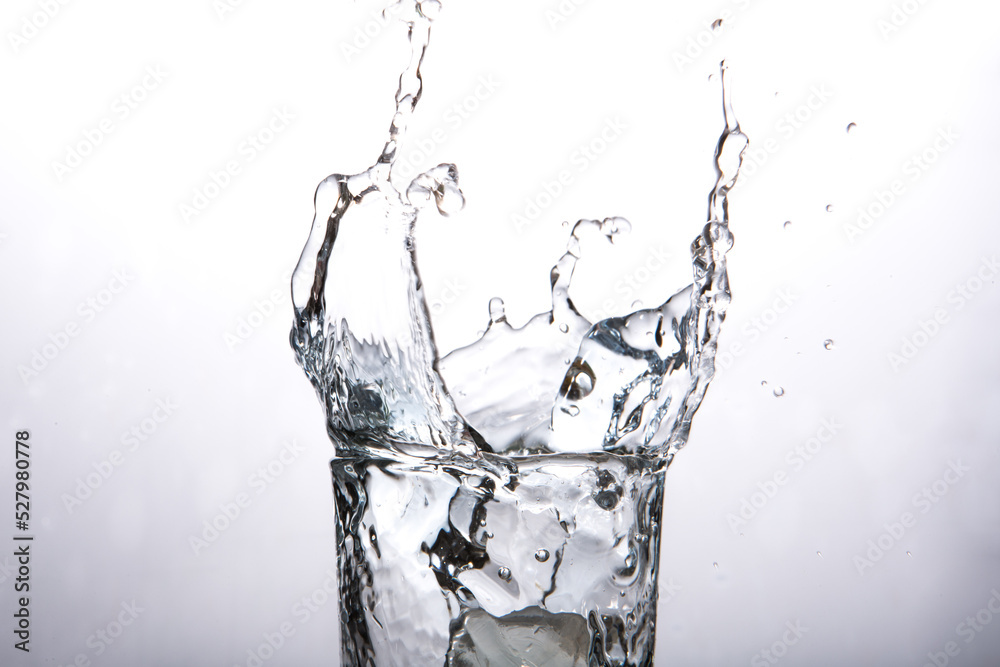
x=542, y=555
x=788, y=223
x=779, y=392
x=571, y=410
x=564, y=328
x=828, y=344
x=504, y=573
x=851, y=126
x=829, y=208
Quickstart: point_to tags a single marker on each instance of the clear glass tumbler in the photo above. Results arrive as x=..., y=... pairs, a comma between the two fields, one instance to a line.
x=550, y=562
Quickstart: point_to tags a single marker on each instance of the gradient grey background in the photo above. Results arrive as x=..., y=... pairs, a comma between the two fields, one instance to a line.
x=555, y=84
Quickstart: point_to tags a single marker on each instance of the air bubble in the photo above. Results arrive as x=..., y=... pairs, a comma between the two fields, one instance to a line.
x=541, y=555
x=571, y=410
x=504, y=573
x=564, y=328
x=828, y=344
x=779, y=392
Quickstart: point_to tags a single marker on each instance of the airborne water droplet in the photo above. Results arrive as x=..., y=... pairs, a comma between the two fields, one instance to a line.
x=763, y=383
x=828, y=343
x=716, y=24
x=504, y=573
x=788, y=223
x=820, y=554
x=779, y=392
x=829, y=208
x=851, y=126
x=715, y=565
x=564, y=328
x=909, y=554
x=541, y=555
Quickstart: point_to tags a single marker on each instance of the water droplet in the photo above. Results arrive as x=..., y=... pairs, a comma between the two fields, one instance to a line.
x=851, y=126
x=637, y=304
x=429, y=8
x=716, y=24
x=829, y=208
x=565, y=223
x=909, y=554
x=779, y=392
x=571, y=410
x=828, y=344
x=621, y=593
x=497, y=312
x=820, y=554
x=564, y=328
x=504, y=573
x=715, y=565
x=763, y=383
x=788, y=223
x=541, y=555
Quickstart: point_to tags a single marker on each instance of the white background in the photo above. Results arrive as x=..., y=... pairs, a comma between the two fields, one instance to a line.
x=559, y=78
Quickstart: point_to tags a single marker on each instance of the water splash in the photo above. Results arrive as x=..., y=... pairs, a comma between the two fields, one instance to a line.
x=559, y=384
